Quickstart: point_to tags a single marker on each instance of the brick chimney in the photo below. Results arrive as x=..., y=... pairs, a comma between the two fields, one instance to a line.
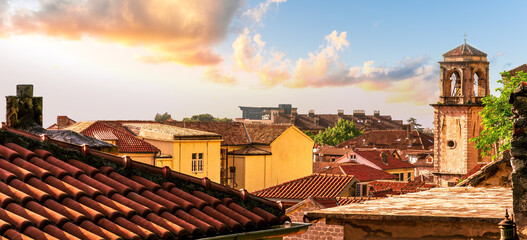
x=340, y=113
x=311, y=113
x=24, y=110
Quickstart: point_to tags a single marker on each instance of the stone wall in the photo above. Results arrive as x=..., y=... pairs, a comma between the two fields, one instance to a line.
x=319, y=230
x=518, y=100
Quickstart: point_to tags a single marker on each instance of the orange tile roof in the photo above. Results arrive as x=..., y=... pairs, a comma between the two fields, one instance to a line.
x=315, y=185
x=365, y=173
x=465, y=50
x=125, y=141
x=265, y=133
x=374, y=156
x=51, y=189
x=391, y=139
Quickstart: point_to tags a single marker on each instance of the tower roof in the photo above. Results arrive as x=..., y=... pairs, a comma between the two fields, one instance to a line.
x=464, y=50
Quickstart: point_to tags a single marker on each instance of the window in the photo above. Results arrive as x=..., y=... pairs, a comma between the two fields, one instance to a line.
x=197, y=162
x=409, y=176
x=451, y=144
x=400, y=176
x=361, y=190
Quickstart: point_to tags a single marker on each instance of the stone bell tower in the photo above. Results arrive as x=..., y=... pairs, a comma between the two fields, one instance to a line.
x=463, y=82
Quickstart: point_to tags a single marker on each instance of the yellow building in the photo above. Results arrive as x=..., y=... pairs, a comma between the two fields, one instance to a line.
x=256, y=156
x=188, y=151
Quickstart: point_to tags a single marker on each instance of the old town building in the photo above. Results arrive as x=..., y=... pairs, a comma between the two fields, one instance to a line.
x=463, y=82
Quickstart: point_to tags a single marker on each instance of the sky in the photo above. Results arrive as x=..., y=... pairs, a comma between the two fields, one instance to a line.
x=126, y=59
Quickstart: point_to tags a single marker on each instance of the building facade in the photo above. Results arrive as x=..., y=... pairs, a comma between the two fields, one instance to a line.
x=464, y=81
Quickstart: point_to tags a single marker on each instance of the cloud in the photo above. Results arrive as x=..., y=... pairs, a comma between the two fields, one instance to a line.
x=213, y=74
x=176, y=31
x=407, y=80
x=259, y=12
x=3, y=16
x=494, y=59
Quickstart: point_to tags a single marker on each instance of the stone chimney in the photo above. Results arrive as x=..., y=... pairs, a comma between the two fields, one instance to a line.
x=376, y=113
x=340, y=113
x=384, y=158
x=311, y=113
x=518, y=99
x=23, y=110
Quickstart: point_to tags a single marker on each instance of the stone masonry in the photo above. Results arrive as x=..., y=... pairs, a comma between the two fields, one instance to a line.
x=518, y=99
x=319, y=230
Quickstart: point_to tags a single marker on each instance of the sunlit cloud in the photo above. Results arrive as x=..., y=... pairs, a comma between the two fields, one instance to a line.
x=494, y=59
x=174, y=31
x=407, y=80
x=259, y=12
x=213, y=74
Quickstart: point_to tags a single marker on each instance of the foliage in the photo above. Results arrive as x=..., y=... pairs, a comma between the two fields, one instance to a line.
x=162, y=117
x=413, y=123
x=343, y=131
x=206, y=118
x=310, y=134
x=497, y=117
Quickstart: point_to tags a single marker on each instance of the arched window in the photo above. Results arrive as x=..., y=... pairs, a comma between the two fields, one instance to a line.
x=476, y=84
x=455, y=82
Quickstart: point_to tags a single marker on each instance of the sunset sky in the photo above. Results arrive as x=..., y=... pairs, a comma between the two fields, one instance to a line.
x=118, y=59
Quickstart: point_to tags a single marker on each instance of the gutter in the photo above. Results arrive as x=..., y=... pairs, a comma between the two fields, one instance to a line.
x=286, y=229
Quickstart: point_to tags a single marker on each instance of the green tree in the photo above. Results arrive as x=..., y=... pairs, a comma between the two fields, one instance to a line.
x=206, y=118
x=162, y=117
x=497, y=117
x=343, y=131
x=413, y=123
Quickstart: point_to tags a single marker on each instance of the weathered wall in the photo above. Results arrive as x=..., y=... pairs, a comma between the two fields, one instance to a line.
x=518, y=100
x=383, y=230
x=319, y=230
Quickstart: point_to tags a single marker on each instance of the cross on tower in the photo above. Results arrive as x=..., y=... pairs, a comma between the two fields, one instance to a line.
x=465, y=38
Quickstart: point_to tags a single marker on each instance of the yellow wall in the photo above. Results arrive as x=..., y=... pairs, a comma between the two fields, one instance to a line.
x=181, y=152
x=292, y=157
x=249, y=171
x=182, y=157
x=405, y=171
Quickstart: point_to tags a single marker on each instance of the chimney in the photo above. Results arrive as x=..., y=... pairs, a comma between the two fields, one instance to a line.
x=24, y=110
x=376, y=113
x=359, y=113
x=62, y=122
x=384, y=158
x=340, y=113
x=311, y=113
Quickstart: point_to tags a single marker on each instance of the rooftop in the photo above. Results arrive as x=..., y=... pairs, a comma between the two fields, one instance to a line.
x=464, y=50
x=51, y=188
x=460, y=204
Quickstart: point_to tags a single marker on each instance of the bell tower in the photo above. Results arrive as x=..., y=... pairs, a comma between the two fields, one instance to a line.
x=463, y=82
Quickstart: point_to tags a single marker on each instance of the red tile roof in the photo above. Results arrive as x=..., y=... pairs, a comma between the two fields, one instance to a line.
x=333, y=151
x=385, y=188
x=515, y=70
x=390, y=139
x=374, y=156
x=465, y=50
x=250, y=150
x=69, y=192
x=315, y=185
x=365, y=173
x=475, y=169
x=265, y=133
x=125, y=141
x=232, y=133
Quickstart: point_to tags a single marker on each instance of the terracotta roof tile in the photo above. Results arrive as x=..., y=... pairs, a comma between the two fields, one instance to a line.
x=365, y=173
x=390, y=139
x=386, y=188
x=315, y=185
x=232, y=133
x=125, y=141
x=265, y=133
x=464, y=50
x=374, y=156
x=250, y=150
x=68, y=195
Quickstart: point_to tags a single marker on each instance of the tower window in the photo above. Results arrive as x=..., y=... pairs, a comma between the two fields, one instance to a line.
x=476, y=82
x=451, y=144
x=455, y=82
